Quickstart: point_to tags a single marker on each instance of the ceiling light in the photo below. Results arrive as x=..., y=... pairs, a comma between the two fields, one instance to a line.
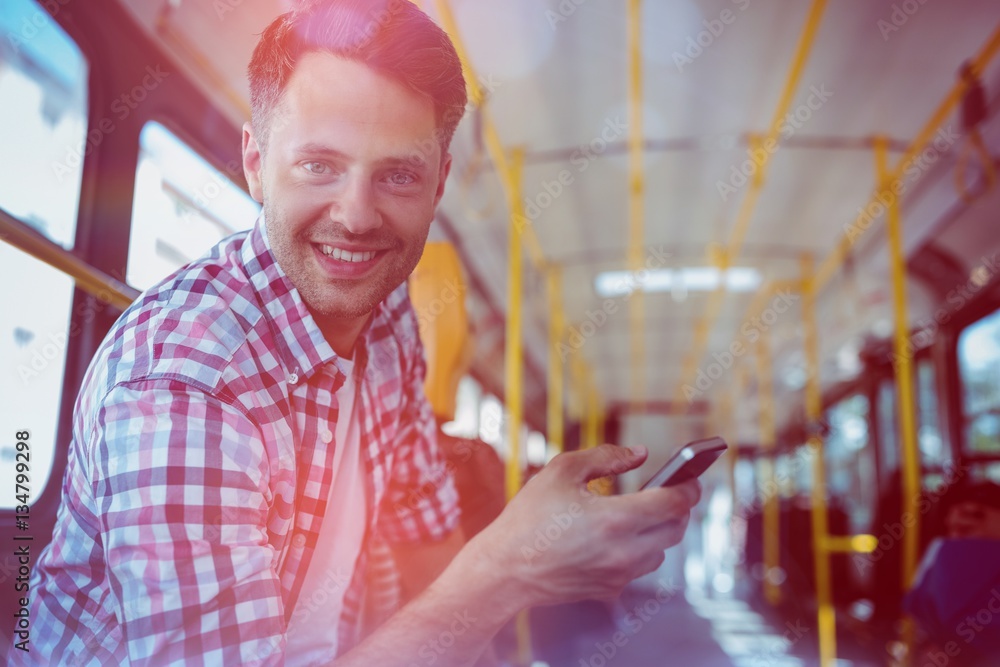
x=677, y=281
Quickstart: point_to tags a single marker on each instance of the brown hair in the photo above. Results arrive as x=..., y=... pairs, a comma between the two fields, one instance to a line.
x=392, y=37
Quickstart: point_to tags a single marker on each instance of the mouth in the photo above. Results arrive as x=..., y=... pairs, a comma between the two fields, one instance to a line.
x=342, y=255
x=345, y=263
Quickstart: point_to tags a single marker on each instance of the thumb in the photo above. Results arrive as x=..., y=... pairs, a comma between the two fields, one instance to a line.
x=605, y=460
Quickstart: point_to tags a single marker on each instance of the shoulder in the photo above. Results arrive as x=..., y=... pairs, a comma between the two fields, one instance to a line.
x=190, y=327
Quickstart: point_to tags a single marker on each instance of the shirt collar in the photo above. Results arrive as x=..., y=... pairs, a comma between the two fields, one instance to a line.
x=303, y=348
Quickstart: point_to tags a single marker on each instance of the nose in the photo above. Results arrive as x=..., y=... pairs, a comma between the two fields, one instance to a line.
x=355, y=208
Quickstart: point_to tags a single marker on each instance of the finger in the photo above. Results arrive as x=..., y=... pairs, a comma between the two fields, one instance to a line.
x=588, y=464
x=666, y=534
x=662, y=537
x=653, y=506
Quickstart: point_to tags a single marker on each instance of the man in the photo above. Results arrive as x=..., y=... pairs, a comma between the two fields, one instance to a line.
x=251, y=425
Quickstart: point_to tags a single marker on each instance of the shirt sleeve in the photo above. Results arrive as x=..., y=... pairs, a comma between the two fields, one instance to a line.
x=181, y=484
x=421, y=502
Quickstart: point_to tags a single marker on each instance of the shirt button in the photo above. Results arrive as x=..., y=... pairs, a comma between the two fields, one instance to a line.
x=299, y=540
x=293, y=378
x=327, y=436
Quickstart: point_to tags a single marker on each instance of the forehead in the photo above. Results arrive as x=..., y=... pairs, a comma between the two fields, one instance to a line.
x=353, y=108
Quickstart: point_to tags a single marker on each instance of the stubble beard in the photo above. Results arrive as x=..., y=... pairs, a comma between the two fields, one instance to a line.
x=344, y=299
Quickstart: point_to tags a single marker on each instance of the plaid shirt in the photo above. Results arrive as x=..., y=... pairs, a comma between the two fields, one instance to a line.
x=199, y=470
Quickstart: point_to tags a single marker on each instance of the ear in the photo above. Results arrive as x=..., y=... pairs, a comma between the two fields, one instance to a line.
x=442, y=177
x=252, y=163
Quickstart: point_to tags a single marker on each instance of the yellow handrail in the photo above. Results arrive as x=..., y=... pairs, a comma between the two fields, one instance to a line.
x=726, y=256
x=96, y=283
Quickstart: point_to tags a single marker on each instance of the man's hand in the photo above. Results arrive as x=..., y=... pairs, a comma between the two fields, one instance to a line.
x=557, y=542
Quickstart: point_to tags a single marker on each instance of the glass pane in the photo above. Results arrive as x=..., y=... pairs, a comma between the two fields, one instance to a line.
x=934, y=451
x=979, y=366
x=887, y=425
x=491, y=421
x=34, y=333
x=182, y=207
x=466, y=422
x=43, y=121
x=851, y=462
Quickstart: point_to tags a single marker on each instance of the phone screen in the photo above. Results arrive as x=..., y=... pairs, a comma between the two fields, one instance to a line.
x=690, y=462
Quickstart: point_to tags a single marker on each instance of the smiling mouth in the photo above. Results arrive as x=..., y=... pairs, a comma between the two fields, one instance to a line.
x=347, y=256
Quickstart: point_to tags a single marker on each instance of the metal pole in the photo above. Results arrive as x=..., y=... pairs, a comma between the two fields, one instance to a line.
x=772, y=513
x=636, y=195
x=557, y=326
x=826, y=617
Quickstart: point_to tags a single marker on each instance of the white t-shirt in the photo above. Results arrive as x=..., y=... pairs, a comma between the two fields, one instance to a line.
x=312, y=629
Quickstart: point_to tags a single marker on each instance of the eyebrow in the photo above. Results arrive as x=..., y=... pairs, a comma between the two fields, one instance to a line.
x=415, y=160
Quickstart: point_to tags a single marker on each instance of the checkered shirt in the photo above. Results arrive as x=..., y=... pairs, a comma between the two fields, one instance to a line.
x=198, y=477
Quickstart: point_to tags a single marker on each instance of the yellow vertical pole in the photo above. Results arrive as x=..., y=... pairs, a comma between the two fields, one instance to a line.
x=768, y=440
x=590, y=393
x=724, y=424
x=513, y=359
x=602, y=416
x=557, y=326
x=904, y=371
x=637, y=234
x=740, y=382
x=513, y=362
x=909, y=453
x=826, y=618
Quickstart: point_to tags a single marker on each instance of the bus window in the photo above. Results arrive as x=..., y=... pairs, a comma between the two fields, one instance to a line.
x=467, y=412
x=33, y=339
x=934, y=452
x=182, y=207
x=851, y=462
x=979, y=368
x=889, y=447
x=43, y=121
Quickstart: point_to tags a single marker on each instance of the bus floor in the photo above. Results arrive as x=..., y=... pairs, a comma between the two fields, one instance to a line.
x=657, y=625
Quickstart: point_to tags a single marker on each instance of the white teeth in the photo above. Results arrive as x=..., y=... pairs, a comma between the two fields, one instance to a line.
x=346, y=255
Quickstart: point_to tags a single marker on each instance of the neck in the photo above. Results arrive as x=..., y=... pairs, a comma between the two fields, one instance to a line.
x=341, y=334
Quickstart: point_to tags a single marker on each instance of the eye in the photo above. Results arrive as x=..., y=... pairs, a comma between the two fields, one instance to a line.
x=316, y=168
x=402, y=178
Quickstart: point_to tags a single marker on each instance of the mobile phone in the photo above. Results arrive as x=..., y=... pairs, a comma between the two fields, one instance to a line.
x=693, y=459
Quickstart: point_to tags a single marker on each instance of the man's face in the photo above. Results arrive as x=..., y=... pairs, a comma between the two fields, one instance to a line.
x=972, y=520
x=349, y=181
